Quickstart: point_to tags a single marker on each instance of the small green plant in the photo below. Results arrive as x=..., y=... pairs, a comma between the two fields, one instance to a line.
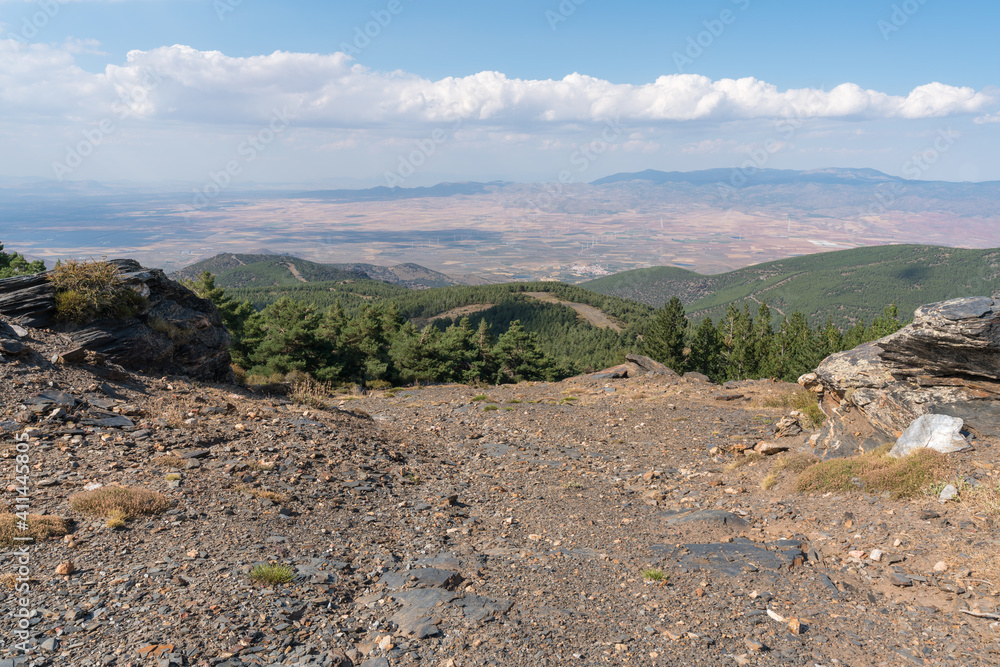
x=480, y=397
x=488, y=408
x=378, y=385
x=568, y=400
x=411, y=477
x=654, y=574
x=173, y=477
x=515, y=400
x=272, y=574
x=86, y=291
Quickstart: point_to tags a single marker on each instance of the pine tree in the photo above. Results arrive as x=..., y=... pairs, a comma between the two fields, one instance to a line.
x=664, y=338
x=285, y=338
x=706, y=350
x=235, y=314
x=14, y=264
x=519, y=357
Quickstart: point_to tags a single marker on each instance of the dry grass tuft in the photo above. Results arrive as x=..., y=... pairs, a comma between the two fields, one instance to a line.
x=802, y=400
x=748, y=457
x=86, y=291
x=876, y=472
x=308, y=391
x=795, y=462
x=169, y=461
x=124, y=502
x=261, y=493
x=39, y=527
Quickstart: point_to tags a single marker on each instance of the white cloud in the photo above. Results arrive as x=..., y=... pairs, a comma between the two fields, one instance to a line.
x=988, y=118
x=333, y=91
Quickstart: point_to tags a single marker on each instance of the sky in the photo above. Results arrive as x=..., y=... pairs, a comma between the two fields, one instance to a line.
x=251, y=93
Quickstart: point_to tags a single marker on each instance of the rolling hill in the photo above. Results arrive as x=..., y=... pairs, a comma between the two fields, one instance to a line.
x=268, y=270
x=845, y=286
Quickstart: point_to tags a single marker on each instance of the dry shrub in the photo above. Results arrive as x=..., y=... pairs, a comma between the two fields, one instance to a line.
x=168, y=461
x=86, y=291
x=39, y=527
x=261, y=493
x=876, y=472
x=802, y=400
x=749, y=457
x=795, y=462
x=312, y=393
x=129, y=501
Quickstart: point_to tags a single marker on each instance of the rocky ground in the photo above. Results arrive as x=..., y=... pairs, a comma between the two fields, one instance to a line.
x=589, y=521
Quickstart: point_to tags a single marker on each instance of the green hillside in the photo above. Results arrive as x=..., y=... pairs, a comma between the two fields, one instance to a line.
x=251, y=271
x=846, y=286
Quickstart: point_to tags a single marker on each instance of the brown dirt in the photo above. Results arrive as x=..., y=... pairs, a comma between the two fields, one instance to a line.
x=424, y=529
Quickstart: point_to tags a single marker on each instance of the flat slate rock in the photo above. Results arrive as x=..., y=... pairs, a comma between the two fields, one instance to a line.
x=428, y=577
x=713, y=517
x=59, y=398
x=736, y=557
x=116, y=421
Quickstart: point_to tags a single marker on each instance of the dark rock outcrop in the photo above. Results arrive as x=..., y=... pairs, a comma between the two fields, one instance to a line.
x=946, y=362
x=177, y=333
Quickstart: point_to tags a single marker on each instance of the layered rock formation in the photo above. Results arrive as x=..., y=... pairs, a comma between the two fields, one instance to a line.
x=946, y=362
x=177, y=333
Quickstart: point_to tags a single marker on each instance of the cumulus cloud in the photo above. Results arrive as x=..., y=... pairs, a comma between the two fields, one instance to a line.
x=179, y=83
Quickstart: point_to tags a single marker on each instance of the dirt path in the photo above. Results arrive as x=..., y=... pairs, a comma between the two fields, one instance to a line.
x=593, y=315
x=295, y=272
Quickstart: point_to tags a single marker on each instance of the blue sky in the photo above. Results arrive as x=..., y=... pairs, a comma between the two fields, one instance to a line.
x=490, y=85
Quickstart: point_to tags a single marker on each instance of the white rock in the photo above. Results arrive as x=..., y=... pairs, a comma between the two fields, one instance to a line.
x=941, y=566
x=938, y=432
x=876, y=555
x=948, y=493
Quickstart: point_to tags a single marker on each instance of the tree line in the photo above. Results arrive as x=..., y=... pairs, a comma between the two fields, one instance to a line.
x=374, y=343
x=742, y=345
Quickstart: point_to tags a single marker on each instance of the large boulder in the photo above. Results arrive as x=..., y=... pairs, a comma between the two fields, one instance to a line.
x=946, y=362
x=177, y=333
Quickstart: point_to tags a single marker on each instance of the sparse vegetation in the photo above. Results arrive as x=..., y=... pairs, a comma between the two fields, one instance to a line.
x=490, y=407
x=654, y=574
x=38, y=527
x=480, y=397
x=744, y=459
x=272, y=574
x=802, y=400
x=168, y=461
x=876, y=472
x=86, y=291
x=261, y=493
x=120, y=502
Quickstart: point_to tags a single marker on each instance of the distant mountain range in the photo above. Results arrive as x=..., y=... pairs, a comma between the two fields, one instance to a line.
x=845, y=286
